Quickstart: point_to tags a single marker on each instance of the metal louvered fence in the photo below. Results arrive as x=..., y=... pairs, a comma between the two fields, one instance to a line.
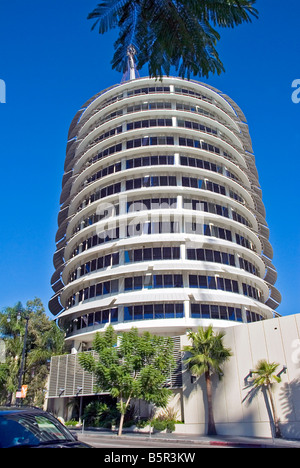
x=68, y=379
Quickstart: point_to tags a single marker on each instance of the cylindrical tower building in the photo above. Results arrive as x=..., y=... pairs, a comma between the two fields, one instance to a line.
x=162, y=224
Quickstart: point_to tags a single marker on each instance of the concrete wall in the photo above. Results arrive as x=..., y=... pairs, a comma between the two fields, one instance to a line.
x=238, y=409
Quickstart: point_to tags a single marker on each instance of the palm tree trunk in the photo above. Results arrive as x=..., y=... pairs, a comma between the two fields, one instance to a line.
x=211, y=428
x=276, y=425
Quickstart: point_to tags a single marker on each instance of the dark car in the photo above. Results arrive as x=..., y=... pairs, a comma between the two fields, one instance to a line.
x=34, y=428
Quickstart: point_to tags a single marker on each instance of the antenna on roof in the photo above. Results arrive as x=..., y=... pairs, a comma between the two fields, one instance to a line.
x=131, y=71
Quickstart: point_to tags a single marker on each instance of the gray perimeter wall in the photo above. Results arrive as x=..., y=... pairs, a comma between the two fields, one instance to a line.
x=238, y=408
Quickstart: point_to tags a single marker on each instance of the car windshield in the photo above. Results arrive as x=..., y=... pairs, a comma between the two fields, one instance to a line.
x=30, y=430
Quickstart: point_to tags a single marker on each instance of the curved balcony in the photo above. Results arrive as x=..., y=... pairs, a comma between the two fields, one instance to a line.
x=184, y=146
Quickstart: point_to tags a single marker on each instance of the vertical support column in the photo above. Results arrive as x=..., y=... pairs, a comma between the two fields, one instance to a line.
x=186, y=307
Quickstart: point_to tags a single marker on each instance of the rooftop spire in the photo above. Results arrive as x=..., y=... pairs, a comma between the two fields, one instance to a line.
x=131, y=72
x=131, y=63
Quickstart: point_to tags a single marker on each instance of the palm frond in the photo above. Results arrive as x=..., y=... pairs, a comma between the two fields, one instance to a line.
x=107, y=14
x=171, y=33
x=224, y=13
x=207, y=352
x=130, y=34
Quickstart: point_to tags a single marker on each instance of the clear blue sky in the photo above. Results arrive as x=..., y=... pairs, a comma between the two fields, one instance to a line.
x=52, y=63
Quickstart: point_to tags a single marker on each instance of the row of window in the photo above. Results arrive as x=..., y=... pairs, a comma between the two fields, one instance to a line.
x=212, y=282
x=223, y=313
x=96, y=264
x=144, y=106
x=154, y=90
x=103, y=119
x=147, y=254
x=202, y=164
x=166, y=122
x=104, y=172
x=208, y=230
x=153, y=311
x=148, y=106
x=191, y=92
x=155, y=161
x=106, y=152
x=250, y=291
x=146, y=123
x=161, y=311
x=107, y=134
x=216, y=256
x=158, y=181
x=101, y=193
x=151, y=181
x=197, y=205
x=153, y=282
x=220, y=233
x=200, y=144
x=207, y=207
x=150, y=204
x=163, y=140
x=169, y=140
x=192, y=108
x=149, y=141
x=194, y=182
x=207, y=311
x=96, y=290
x=159, y=160
x=93, y=319
x=209, y=255
x=159, y=281
x=149, y=90
x=196, y=126
x=161, y=227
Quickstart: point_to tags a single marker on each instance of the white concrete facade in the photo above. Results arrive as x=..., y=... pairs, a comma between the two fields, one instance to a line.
x=162, y=224
x=238, y=410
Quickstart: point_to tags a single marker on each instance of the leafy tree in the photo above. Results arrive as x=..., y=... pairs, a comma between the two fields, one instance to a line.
x=265, y=379
x=131, y=366
x=207, y=355
x=166, y=33
x=44, y=340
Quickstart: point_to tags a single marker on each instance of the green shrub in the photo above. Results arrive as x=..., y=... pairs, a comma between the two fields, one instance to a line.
x=159, y=425
x=165, y=420
x=72, y=422
x=141, y=423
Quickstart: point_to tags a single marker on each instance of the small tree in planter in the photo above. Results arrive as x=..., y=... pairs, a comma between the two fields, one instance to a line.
x=131, y=367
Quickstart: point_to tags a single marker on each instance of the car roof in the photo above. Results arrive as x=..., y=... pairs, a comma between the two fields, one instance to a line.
x=15, y=409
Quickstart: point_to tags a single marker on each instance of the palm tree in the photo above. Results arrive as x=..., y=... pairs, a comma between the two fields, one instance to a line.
x=265, y=379
x=168, y=33
x=207, y=354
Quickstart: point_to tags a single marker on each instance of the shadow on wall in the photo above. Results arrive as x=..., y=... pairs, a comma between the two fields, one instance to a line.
x=289, y=398
x=253, y=393
x=290, y=406
x=194, y=387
